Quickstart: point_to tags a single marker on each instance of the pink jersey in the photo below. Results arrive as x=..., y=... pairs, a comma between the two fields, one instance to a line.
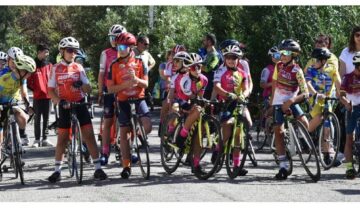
x=185, y=87
x=106, y=58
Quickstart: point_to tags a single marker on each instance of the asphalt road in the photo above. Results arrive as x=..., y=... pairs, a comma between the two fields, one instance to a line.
x=258, y=185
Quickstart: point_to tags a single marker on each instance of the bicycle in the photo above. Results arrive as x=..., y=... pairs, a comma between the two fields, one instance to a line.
x=75, y=150
x=209, y=135
x=356, y=146
x=298, y=142
x=12, y=147
x=139, y=140
x=330, y=125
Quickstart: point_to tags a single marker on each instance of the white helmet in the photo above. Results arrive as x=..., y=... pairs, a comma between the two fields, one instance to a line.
x=356, y=58
x=69, y=42
x=185, y=85
x=196, y=59
x=3, y=56
x=24, y=62
x=116, y=29
x=185, y=57
x=13, y=52
x=233, y=50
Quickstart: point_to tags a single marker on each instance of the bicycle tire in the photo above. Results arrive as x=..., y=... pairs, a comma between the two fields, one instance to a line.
x=233, y=172
x=168, y=153
x=142, y=150
x=77, y=151
x=334, y=140
x=17, y=156
x=252, y=155
x=305, y=146
x=211, y=141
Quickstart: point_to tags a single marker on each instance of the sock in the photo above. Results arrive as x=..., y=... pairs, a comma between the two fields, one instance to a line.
x=22, y=132
x=126, y=163
x=217, y=148
x=97, y=163
x=58, y=166
x=349, y=165
x=196, y=161
x=283, y=162
x=236, y=160
x=105, y=149
x=171, y=128
x=184, y=132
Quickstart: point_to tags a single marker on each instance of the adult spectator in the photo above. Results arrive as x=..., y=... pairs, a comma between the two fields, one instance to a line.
x=346, y=56
x=37, y=83
x=211, y=62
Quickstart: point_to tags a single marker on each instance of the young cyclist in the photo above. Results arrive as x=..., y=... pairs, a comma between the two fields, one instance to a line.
x=288, y=78
x=68, y=83
x=321, y=79
x=106, y=58
x=188, y=83
x=350, y=97
x=231, y=82
x=166, y=74
x=11, y=84
x=128, y=78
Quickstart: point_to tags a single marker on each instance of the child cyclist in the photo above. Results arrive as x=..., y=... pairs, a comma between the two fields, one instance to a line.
x=288, y=78
x=69, y=83
x=322, y=79
x=231, y=82
x=128, y=78
x=350, y=97
x=187, y=84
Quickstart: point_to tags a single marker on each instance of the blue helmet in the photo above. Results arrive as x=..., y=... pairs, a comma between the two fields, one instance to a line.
x=81, y=55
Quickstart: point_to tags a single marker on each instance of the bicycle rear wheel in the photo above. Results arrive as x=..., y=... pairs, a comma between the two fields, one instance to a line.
x=233, y=170
x=306, y=150
x=77, y=150
x=142, y=150
x=251, y=154
x=170, y=159
x=18, y=166
x=211, y=146
x=331, y=129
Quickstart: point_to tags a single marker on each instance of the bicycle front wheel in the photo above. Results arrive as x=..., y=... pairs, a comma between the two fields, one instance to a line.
x=329, y=140
x=306, y=150
x=18, y=165
x=142, y=150
x=211, y=147
x=77, y=151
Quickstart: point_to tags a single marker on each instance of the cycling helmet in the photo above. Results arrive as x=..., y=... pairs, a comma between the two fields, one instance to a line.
x=125, y=38
x=290, y=45
x=81, y=54
x=228, y=42
x=69, y=42
x=195, y=59
x=3, y=56
x=116, y=30
x=321, y=53
x=14, y=52
x=232, y=50
x=178, y=48
x=24, y=62
x=185, y=57
x=273, y=50
x=356, y=58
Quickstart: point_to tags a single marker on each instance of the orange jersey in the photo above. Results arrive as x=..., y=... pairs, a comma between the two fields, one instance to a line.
x=120, y=72
x=62, y=77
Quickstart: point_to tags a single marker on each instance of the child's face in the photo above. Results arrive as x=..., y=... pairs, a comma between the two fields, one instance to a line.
x=285, y=58
x=11, y=64
x=231, y=61
x=69, y=54
x=319, y=63
x=177, y=64
x=195, y=70
x=123, y=50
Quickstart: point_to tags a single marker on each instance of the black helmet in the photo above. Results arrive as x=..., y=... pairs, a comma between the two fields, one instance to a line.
x=228, y=42
x=321, y=53
x=273, y=50
x=291, y=45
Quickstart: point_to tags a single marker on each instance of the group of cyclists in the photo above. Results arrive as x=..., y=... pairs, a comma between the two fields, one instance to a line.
x=185, y=76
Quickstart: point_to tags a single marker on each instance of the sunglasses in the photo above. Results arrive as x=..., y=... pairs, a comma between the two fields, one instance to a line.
x=276, y=56
x=357, y=35
x=285, y=52
x=71, y=50
x=122, y=47
x=231, y=57
x=112, y=38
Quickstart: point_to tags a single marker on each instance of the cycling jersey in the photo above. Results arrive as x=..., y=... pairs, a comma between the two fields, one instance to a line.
x=266, y=77
x=184, y=86
x=351, y=85
x=289, y=80
x=211, y=61
x=169, y=69
x=10, y=88
x=231, y=81
x=119, y=73
x=62, y=77
x=106, y=58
